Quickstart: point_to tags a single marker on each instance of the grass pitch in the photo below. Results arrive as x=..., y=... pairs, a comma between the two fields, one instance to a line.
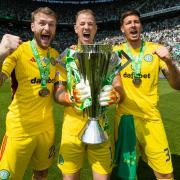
x=170, y=109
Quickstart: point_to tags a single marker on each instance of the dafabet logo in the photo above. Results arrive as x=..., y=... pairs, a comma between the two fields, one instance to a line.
x=38, y=81
x=131, y=75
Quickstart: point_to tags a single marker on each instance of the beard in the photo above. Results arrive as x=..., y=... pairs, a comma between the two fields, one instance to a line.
x=43, y=43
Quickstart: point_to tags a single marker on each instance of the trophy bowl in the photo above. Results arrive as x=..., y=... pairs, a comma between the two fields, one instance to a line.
x=96, y=62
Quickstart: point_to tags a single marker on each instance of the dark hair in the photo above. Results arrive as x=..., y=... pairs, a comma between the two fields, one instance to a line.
x=44, y=10
x=85, y=11
x=128, y=13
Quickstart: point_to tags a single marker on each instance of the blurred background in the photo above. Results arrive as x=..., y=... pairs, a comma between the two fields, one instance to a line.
x=161, y=19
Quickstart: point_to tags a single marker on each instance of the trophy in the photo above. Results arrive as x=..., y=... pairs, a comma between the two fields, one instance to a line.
x=97, y=66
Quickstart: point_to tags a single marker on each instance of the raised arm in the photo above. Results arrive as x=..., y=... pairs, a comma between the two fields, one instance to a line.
x=172, y=72
x=8, y=44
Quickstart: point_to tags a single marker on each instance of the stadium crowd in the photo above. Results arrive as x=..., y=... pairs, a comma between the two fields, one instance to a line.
x=66, y=12
x=166, y=31
x=104, y=11
x=158, y=5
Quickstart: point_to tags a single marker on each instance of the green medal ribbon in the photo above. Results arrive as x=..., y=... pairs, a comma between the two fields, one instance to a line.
x=136, y=62
x=72, y=70
x=44, y=71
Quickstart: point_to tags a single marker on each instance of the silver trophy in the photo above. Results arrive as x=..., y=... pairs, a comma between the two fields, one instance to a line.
x=97, y=66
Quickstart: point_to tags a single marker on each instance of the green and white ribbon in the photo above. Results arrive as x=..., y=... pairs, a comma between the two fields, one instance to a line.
x=136, y=62
x=44, y=71
x=73, y=77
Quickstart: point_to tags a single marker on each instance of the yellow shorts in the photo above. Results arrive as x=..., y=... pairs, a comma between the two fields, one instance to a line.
x=72, y=153
x=16, y=153
x=152, y=144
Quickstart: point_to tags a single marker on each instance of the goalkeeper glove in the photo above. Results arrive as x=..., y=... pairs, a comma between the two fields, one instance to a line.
x=81, y=92
x=108, y=96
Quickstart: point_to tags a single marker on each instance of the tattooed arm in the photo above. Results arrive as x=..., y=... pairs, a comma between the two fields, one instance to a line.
x=172, y=72
x=3, y=77
x=61, y=96
x=117, y=84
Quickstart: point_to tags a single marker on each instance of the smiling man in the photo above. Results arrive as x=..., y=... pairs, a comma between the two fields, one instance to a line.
x=140, y=80
x=72, y=150
x=29, y=137
x=85, y=27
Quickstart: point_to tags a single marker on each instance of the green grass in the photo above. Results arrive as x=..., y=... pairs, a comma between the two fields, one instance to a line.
x=169, y=105
x=170, y=110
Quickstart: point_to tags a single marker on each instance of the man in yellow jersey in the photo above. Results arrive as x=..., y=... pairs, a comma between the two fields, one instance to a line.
x=140, y=81
x=72, y=150
x=29, y=137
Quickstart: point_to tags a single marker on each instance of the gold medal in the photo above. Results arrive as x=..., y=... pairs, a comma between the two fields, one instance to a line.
x=44, y=92
x=137, y=81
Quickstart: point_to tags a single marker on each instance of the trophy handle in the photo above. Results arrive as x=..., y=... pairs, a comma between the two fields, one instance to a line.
x=126, y=63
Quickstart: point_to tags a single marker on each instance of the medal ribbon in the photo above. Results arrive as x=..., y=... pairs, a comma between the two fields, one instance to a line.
x=44, y=71
x=109, y=79
x=136, y=63
x=72, y=70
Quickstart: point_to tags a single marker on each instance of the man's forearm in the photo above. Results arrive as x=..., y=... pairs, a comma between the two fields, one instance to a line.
x=117, y=84
x=3, y=54
x=173, y=74
x=3, y=77
x=61, y=96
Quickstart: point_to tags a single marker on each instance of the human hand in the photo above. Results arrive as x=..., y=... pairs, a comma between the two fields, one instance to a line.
x=73, y=47
x=108, y=96
x=8, y=44
x=81, y=92
x=163, y=53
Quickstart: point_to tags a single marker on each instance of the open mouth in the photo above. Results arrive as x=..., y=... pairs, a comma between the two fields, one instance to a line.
x=134, y=33
x=45, y=37
x=86, y=36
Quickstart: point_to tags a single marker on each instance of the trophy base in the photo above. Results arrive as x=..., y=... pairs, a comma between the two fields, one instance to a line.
x=93, y=133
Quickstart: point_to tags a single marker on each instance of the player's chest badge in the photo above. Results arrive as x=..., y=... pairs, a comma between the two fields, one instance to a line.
x=148, y=57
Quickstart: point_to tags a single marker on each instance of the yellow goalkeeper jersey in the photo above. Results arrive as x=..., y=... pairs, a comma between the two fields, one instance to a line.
x=29, y=113
x=142, y=100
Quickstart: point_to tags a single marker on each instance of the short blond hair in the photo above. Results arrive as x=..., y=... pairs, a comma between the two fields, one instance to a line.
x=86, y=11
x=44, y=10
